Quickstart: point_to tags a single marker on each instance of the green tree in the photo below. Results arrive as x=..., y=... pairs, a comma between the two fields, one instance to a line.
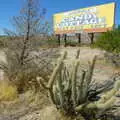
x=109, y=41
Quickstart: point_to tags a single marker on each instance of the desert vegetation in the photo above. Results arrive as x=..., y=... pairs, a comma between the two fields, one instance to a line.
x=74, y=96
x=40, y=80
x=110, y=42
x=25, y=59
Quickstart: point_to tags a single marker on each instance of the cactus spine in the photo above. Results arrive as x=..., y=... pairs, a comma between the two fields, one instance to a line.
x=70, y=93
x=106, y=101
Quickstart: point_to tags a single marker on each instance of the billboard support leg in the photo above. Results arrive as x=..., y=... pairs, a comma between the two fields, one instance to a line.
x=79, y=38
x=91, y=38
x=65, y=40
x=58, y=38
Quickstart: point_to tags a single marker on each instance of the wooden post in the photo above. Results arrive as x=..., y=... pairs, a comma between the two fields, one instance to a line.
x=79, y=38
x=65, y=39
x=58, y=38
x=91, y=37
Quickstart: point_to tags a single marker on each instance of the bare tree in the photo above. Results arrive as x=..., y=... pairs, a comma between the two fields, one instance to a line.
x=24, y=59
x=28, y=24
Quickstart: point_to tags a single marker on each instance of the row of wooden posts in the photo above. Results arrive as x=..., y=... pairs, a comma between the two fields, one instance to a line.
x=78, y=35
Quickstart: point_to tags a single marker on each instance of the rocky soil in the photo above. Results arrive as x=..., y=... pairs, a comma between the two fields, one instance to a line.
x=22, y=110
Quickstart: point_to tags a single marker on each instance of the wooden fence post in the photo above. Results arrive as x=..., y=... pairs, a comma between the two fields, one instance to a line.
x=79, y=38
x=58, y=38
x=65, y=39
x=91, y=37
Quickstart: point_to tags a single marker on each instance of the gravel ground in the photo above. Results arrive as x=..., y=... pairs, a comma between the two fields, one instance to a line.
x=103, y=71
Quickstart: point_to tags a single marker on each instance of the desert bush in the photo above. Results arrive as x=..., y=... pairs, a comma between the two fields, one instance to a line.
x=52, y=41
x=73, y=95
x=8, y=91
x=113, y=59
x=24, y=76
x=72, y=43
x=1, y=41
x=25, y=59
x=109, y=41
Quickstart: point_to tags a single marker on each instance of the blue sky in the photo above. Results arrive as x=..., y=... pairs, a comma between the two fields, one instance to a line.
x=9, y=8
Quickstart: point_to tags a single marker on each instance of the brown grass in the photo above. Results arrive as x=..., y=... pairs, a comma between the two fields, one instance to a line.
x=8, y=92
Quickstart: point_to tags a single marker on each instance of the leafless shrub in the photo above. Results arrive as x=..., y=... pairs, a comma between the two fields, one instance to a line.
x=25, y=59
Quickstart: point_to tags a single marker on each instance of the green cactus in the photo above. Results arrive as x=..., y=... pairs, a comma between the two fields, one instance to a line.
x=70, y=94
x=106, y=101
x=74, y=78
x=60, y=88
x=56, y=70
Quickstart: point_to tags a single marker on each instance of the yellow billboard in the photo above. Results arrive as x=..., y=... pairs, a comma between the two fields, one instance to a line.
x=93, y=19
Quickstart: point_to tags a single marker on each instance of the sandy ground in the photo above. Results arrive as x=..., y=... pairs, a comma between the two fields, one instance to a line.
x=103, y=71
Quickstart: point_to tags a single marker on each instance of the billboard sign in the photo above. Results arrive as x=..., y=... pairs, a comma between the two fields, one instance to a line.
x=93, y=19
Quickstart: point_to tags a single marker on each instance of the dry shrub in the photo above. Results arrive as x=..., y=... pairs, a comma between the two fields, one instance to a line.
x=35, y=99
x=8, y=92
x=113, y=59
x=24, y=76
x=109, y=41
x=25, y=59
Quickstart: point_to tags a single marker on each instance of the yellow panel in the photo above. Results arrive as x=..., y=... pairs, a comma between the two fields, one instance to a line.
x=93, y=19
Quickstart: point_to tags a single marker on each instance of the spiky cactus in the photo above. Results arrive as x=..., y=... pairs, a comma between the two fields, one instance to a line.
x=71, y=93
